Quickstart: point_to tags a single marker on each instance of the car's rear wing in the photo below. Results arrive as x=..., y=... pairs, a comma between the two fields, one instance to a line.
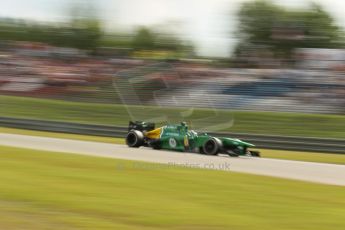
x=141, y=126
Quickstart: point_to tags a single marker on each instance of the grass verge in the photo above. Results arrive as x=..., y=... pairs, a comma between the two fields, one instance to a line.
x=288, y=124
x=45, y=190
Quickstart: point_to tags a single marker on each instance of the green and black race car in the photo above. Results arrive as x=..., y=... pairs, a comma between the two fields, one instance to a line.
x=180, y=138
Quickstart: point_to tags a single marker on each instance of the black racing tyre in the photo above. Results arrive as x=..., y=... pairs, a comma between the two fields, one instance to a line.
x=212, y=146
x=135, y=138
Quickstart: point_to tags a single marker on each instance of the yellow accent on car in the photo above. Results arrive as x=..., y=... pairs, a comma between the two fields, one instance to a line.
x=153, y=134
x=185, y=141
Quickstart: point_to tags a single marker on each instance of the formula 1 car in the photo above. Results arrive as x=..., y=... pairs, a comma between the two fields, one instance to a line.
x=179, y=138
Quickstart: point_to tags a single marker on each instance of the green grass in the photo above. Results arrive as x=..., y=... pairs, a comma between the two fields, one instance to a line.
x=292, y=124
x=266, y=153
x=45, y=190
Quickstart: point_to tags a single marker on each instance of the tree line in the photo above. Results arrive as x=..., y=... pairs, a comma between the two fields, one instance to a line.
x=261, y=23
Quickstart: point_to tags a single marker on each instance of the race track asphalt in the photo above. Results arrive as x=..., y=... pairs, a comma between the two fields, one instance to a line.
x=306, y=171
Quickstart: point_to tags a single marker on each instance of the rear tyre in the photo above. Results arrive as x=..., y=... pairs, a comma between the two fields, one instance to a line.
x=212, y=146
x=135, y=138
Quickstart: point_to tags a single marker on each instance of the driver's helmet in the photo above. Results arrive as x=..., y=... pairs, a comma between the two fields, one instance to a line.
x=184, y=123
x=184, y=126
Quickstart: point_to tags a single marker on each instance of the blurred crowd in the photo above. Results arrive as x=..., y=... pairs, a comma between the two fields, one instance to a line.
x=31, y=69
x=41, y=70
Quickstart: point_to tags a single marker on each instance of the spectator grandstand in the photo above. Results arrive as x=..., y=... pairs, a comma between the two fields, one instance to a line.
x=92, y=79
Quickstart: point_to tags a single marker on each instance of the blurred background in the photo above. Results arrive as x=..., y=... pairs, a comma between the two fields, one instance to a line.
x=268, y=67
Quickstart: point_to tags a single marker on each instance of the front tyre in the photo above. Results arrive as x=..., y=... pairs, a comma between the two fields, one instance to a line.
x=135, y=139
x=212, y=146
